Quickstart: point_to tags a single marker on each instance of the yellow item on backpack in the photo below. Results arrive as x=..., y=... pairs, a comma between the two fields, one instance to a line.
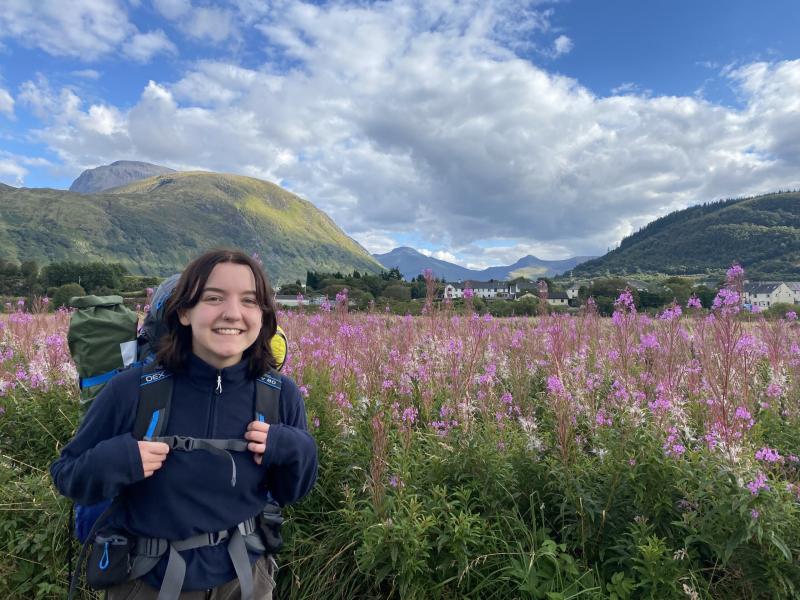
x=279, y=346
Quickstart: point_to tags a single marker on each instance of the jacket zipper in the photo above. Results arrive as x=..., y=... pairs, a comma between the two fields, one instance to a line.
x=214, y=397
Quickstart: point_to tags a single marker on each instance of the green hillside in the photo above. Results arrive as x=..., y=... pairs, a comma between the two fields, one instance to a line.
x=761, y=233
x=156, y=225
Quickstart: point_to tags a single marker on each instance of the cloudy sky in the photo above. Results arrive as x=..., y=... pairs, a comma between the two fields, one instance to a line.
x=475, y=130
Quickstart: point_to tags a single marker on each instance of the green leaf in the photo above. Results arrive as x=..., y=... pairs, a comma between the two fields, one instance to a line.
x=781, y=545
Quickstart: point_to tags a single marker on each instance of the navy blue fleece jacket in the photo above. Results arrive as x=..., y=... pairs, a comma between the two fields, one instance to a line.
x=191, y=493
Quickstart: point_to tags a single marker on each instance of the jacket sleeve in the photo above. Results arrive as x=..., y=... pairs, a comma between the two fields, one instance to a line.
x=291, y=455
x=103, y=457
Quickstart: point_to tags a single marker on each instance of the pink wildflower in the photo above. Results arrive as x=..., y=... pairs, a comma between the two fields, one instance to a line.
x=735, y=272
x=554, y=385
x=774, y=390
x=758, y=484
x=602, y=419
x=768, y=455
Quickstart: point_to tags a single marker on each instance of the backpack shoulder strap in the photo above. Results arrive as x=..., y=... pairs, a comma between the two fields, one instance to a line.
x=155, y=396
x=268, y=398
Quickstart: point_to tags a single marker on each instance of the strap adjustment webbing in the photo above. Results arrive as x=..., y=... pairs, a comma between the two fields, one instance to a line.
x=220, y=447
x=149, y=550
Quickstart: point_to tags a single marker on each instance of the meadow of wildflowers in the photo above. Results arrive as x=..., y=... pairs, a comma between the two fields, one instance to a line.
x=463, y=456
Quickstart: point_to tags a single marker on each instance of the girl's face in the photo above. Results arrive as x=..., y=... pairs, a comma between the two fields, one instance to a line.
x=227, y=319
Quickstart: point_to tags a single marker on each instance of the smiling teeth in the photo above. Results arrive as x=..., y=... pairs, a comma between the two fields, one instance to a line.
x=228, y=331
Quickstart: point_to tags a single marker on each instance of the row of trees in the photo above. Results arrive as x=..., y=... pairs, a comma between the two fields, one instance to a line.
x=363, y=287
x=62, y=280
x=673, y=289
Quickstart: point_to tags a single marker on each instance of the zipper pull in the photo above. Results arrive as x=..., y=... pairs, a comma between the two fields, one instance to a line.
x=219, y=383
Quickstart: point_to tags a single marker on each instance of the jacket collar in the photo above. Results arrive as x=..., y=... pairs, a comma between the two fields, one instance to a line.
x=203, y=375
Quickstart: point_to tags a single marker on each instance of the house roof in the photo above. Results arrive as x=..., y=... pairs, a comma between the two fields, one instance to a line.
x=557, y=296
x=486, y=285
x=761, y=287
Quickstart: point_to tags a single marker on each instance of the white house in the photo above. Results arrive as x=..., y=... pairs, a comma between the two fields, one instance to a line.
x=285, y=300
x=765, y=294
x=572, y=291
x=480, y=289
x=558, y=299
x=795, y=287
x=454, y=290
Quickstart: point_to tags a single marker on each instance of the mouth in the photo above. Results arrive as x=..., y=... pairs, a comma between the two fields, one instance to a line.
x=228, y=331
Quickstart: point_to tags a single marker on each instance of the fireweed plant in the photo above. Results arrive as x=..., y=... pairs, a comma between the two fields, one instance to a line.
x=463, y=456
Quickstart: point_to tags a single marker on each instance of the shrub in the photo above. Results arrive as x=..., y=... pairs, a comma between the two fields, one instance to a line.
x=62, y=294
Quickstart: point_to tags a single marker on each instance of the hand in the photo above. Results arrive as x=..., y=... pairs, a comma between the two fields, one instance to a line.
x=153, y=456
x=256, y=434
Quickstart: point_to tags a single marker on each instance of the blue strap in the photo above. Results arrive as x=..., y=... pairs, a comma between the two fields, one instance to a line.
x=104, y=559
x=152, y=427
x=97, y=379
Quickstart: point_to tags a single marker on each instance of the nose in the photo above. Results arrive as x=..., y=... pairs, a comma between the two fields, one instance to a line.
x=233, y=310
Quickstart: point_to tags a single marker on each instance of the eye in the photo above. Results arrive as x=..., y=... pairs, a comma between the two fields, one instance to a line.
x=250, y=301
x=212, y=298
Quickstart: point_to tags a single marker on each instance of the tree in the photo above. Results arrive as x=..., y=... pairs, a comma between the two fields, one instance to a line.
x=65, y=292
x=312, y=280
x=291, y=289
x=397, y=291
x=392, y=274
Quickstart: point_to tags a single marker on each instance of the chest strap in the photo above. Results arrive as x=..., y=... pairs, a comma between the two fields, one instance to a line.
x=150, y=550
x=219, y=447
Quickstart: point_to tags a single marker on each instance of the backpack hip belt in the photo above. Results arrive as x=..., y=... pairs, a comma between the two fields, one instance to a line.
x=239, y=539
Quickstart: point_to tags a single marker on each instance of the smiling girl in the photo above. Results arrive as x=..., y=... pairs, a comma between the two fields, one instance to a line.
x=189, y=505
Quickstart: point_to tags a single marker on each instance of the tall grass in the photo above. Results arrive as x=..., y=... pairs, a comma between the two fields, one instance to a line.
x=463, y=456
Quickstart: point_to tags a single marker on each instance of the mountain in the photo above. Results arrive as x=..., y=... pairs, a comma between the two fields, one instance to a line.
x=121, y=172
x=411, y=263
x=761, y=233
x=156, y=225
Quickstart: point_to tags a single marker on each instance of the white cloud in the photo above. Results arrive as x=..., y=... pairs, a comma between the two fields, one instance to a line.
x=11, y=173
x=376, y=242
x=562, y=45
x=209, y=23
x=173, y=9
x=444, y=255
x=86, y=74
x=12, y=167
x=6, y=103
x=143, y=46
x=83, y=29
x=408, y=119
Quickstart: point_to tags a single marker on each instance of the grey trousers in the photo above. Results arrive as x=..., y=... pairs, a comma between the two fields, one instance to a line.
x=264, y=571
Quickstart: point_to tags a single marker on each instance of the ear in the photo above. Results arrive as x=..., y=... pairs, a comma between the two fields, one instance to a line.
x=183, y=317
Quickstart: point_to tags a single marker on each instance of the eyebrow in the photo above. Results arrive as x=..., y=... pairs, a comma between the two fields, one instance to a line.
x=221, y=291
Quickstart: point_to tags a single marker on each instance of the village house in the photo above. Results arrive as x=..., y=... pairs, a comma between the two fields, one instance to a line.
x=795, y=287
x=558, y=299
x=765, y=294
x=285, y=300
x=481, y=289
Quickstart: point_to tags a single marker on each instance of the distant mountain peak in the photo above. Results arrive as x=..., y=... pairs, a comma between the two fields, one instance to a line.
x=118, y=173
x=411, y=263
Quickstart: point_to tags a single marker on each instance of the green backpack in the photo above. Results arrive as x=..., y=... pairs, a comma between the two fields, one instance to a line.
x=102, y=340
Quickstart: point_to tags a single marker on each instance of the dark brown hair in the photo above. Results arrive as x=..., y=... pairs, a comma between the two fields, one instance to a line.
x=175, y=348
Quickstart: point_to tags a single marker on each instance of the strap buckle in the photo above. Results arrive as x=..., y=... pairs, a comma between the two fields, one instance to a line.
x=180, y=442
x=215, y=537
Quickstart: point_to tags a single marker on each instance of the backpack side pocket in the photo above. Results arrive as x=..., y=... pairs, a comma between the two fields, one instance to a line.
x=110, y=561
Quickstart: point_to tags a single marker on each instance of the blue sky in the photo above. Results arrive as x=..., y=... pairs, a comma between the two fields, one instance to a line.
x=475, y=131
